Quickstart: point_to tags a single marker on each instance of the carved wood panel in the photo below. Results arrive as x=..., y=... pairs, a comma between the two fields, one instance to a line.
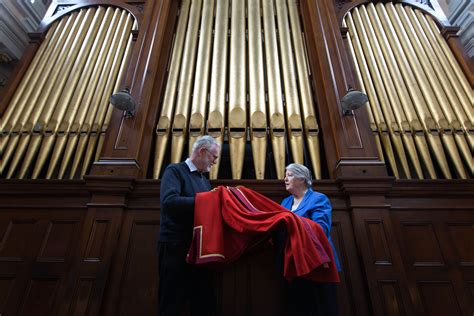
x=39, y=296
x=439, y=298
x=422, y=245
x=82, y=295
x=35, y=254
x=378, y=242
x=391, y=297
x=139, y=287
x=460, y=234
x=351, y=298
x=438, y=257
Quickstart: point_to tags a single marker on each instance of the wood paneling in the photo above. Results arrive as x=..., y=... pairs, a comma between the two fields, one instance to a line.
x=39, y=296
x=82, y=295
x=6, y=286
x=97, y=255
x=421, y=244
x=57, y=241
x=439, y=298
x=96, y=240
x=138, y=274
x=460, y=233
x=391, y=297
x=378, y=244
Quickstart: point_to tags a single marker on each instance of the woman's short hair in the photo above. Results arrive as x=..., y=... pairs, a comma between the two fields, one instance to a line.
x=205, y=141
x=301, y=172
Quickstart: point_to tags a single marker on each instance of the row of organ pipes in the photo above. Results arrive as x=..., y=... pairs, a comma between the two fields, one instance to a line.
x=421, y=103
x=239, y=72
x=256, y=79
x=55, y=123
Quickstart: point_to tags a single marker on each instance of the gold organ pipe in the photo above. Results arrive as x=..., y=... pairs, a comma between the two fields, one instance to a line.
x=438, y=96
x=275, y=102
x=391, y=93
x=15, y=106
x=400, y=99
x=258, y=116
x=65, y=125
x=121, y=38
x=309, y=116
x=32, y=92
x=50, y=101
x=293, y=112
x=427, y=121
x=463, y=110
x=410, y=91
x=452, y=108
x=77, y=117
x=464, y=84
x=452, y=61
x=383, y=98
x=57, y=102
x=201, y=80
x=217, y=97
x=70, y=59
x=180, y=123
x=166, y=115
x=379, y=119
x=372, y=124
x=449, y=97
x=75, y=81
x=237, y=115
x=109, y=48
x=426, y=92
x=466, y=100
x=64, y=45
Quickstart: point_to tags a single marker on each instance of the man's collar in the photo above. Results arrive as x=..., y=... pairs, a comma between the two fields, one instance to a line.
x=190, y=164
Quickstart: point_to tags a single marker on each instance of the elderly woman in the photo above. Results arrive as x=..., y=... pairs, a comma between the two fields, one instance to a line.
x=306, y=297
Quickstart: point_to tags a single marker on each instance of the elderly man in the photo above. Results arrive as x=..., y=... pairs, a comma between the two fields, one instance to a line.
x=180, y=282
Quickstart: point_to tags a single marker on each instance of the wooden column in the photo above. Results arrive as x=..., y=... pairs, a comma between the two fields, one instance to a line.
x=466, y=63
x=20, y=70
x=349, y=146
x=87, y=279
x=128, y=141
x=390, y=291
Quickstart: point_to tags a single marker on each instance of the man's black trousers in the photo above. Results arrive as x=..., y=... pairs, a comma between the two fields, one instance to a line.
x=181, y=283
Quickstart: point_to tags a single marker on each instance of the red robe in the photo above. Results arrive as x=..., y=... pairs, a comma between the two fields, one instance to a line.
x=227, y=220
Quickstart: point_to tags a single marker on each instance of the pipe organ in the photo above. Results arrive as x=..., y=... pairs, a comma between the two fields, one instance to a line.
x=80, y=179
x=55, y=124
x=421, y=104
x=239, y=71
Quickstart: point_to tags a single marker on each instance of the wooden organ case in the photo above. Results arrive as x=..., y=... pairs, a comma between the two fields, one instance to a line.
x=79, y=180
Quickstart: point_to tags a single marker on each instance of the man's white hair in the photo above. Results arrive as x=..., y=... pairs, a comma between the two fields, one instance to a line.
x=301, y=172
x=206, y=142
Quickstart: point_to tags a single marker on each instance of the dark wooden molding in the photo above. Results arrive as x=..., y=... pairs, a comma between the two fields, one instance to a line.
x=109, y=185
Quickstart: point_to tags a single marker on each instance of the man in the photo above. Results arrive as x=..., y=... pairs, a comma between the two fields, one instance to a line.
x=180, y=282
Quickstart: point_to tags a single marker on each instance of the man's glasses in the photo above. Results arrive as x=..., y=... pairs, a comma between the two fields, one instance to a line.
x=213, y=156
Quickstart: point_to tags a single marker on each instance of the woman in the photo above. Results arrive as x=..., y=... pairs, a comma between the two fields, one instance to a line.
x=306, y=297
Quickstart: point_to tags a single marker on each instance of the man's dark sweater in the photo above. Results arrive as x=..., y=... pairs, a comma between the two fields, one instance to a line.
x=178, y=189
